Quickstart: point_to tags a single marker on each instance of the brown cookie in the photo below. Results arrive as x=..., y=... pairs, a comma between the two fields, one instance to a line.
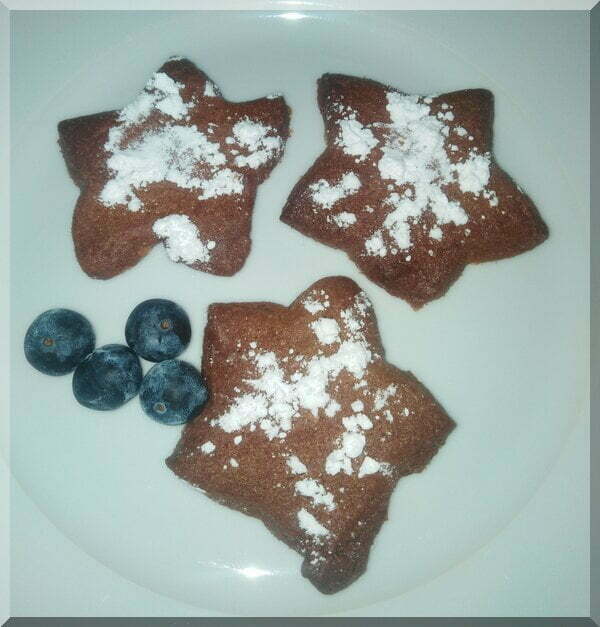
x=408, y=187
x=179, y=164
x=308, y=427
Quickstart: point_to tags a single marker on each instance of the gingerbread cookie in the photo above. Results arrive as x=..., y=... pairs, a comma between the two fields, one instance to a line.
x=409, y=188
x=179, y=164
x=308, y=427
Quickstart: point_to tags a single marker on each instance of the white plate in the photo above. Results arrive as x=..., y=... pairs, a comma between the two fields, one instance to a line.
x=501, y=351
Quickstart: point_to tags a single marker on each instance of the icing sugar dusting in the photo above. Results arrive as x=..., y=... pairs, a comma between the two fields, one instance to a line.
x=276, y=400
x=162, y=93
x=178, y=154
x=411, y=155
x=182, y=239
x=170, y=153
x=414, y=154
x=279, y=388
x=225, y=182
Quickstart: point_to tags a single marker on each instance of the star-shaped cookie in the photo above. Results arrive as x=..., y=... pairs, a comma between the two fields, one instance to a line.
x=179, y=164
x=409, y=188
x=308, y=427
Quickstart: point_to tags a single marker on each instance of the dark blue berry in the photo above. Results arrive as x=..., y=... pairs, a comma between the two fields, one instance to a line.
x=173, y=392
x=57, y=340
x=158, y=329
x=108, y=377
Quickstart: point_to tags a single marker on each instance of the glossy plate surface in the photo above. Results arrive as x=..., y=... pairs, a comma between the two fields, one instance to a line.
x=501, y=351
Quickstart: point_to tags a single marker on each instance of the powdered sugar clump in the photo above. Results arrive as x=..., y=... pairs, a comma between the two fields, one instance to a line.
x=473, y=174
x=327, y=194
x=381, y=396
x=492, y=197
x=182, y=239
x=375, y=245
x=316, y=492
x=338, y=461
x=369, y=466
x=313, y=306
x=344, y=219
x=332, y=408
x=311, y=525
x=208, y=447
x=296, y=466
x=327, y=330
x=356, y=422
x=436, y=233
x=353, y=444
x=350, y=445
x=259, y=140
x=225, y=182
x=355, y=139
x=357, y=405
x=168, y=153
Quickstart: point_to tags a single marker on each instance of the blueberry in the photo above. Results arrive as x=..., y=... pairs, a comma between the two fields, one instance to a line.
x=108, y=377
x=57, y=340
x=172, y=392
x=158, y=329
